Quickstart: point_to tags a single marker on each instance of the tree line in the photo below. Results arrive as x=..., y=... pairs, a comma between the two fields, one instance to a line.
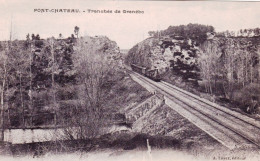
x=241, y=33
x=196, y=32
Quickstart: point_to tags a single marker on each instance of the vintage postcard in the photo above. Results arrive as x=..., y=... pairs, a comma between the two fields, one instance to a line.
x=129, y=80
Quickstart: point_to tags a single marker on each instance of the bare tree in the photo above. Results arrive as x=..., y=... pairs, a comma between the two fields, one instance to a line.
x=5, y=67
x=208, y=63
x=3, y=76
x=54, y=69
x=29, y=50
x=22, y=61
x=229, y=69
x=93, y=67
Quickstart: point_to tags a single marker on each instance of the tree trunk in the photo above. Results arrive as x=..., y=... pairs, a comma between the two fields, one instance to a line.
x=52, y=74
x=53, y=84
x=21, y=95
x=246, y=69
x=210, y=87
x=2, y=114
x=243, y=73
x=55, y=118
x=2, y=104
x=8, y=117
x=8, y=110
x=251, y=73
x=30, y=92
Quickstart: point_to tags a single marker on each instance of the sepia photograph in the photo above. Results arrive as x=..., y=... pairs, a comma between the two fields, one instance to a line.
x=122, y=80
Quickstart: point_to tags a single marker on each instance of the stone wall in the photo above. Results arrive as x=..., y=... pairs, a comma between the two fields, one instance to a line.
x=136, y=112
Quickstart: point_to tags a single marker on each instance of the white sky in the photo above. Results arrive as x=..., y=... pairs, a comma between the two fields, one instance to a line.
x=125, y=29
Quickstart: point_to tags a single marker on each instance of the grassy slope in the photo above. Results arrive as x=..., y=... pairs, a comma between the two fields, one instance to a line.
x=124, y=93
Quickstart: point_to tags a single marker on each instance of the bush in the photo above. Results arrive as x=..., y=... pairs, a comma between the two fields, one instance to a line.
x=245, y=96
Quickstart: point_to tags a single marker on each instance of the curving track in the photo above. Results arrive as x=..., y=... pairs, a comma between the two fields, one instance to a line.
x=230, y=128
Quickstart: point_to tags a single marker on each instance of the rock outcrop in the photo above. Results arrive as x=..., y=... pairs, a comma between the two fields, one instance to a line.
x=166, y=53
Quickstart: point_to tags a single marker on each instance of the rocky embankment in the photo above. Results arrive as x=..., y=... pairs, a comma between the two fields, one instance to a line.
x=166, y=53
x=152, y=119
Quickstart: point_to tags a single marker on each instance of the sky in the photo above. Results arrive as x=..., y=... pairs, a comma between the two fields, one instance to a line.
x=124, y=28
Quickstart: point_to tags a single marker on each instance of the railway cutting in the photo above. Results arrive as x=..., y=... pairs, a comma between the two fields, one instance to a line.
x=230, y=128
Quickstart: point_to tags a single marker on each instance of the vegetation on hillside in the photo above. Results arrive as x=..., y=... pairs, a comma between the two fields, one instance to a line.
x=61, y=82
x=223, y=64
x=196, y=32
x=230, y=68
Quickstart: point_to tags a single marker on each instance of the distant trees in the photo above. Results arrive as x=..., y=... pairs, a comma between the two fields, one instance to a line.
x=240, y=33
x=76, y=31
x=28, y=37
x=60, y=36
x=256, y=31
x=195, y=32
x=33, y=37
x=37, y=37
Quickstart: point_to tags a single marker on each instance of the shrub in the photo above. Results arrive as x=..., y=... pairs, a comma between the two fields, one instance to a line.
x=244, y=97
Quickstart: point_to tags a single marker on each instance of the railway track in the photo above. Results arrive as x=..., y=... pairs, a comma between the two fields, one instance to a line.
x=230, y=128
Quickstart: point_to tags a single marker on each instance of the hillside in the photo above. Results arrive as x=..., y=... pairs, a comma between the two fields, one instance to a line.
x=216, y=67
x=45, y=81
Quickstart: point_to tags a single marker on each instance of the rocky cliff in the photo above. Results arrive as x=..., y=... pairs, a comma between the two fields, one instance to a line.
x=166, y=53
